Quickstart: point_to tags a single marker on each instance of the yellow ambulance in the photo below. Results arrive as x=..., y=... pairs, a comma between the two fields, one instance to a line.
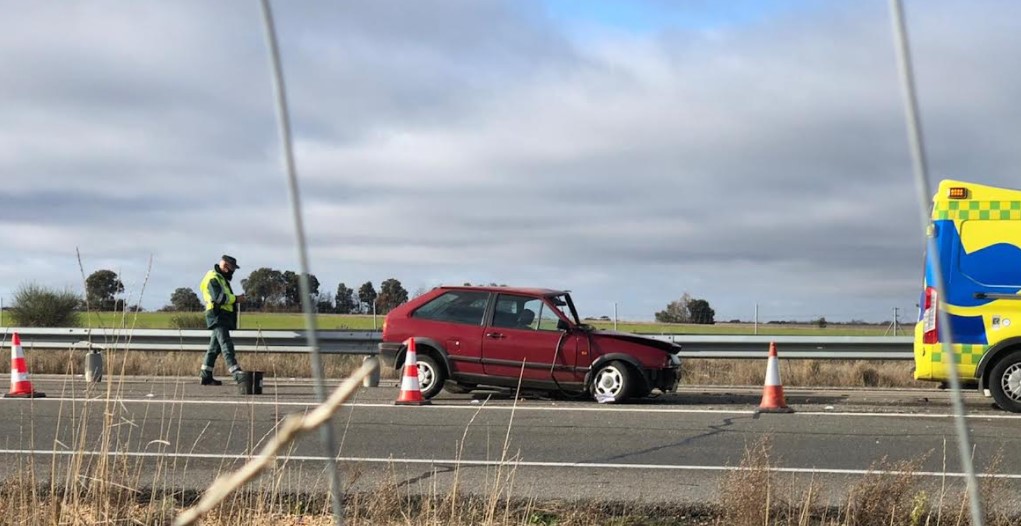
x=976, y=237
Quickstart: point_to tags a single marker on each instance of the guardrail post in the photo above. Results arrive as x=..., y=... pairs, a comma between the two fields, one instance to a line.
x=372, y=380
x=93, y=366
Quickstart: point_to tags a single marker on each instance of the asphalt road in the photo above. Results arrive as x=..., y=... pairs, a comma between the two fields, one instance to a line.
x=674, y=448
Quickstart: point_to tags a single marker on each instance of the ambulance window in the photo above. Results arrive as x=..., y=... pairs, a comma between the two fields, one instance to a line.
x=991, y=252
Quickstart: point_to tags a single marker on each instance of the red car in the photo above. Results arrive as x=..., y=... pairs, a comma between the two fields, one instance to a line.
x=467, y=337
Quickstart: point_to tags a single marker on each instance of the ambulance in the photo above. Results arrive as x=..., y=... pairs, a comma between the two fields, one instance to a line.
x=975, y=236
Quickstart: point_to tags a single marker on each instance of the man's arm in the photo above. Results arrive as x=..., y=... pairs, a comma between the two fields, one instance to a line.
x=217, y=293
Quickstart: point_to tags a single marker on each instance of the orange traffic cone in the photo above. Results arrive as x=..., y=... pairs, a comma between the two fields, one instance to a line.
x=411, y=390
x=772, y=392
x=21, y=386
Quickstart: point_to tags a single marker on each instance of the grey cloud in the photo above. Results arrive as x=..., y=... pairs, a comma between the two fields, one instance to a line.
x=758, y=161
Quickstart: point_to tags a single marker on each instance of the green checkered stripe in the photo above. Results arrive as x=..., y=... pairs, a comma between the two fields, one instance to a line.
x=962, y=210
x=967, y=354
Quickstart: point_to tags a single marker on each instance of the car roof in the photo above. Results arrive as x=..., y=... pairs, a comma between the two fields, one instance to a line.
x=527, y=291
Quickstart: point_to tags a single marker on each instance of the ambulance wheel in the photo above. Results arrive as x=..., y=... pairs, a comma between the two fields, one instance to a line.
x=1005, y=382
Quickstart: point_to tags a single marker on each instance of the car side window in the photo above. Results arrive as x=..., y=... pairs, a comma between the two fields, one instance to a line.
x=456, y=306
x=516, y=312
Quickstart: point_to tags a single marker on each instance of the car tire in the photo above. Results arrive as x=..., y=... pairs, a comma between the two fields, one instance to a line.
x=612, y=383
x=457, y=387
x=431, y=376
x=1005, y=382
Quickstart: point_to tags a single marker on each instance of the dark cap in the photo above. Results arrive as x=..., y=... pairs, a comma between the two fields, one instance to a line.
x=233, y=262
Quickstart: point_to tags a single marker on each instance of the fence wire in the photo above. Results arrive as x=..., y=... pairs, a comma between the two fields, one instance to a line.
x=323, y=414
x=284, y=124
x=291, y=428
x=921, y=173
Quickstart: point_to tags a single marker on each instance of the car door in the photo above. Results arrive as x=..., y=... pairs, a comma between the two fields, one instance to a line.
x=455, y=321
x=523, y=330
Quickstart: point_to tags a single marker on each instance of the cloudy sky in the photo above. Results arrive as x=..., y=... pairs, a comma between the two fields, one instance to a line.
x=747, y=152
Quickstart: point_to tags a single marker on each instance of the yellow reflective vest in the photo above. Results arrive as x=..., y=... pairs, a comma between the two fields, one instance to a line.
x=224, y=296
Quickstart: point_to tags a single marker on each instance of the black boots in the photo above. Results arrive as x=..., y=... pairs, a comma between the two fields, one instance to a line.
x=207, y=379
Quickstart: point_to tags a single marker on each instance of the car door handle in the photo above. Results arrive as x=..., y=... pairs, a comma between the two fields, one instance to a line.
x=494, y=335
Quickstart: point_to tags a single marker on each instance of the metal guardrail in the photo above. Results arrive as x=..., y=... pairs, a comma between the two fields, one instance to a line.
x=365, y=342
x=332, y=342
x=803, y=347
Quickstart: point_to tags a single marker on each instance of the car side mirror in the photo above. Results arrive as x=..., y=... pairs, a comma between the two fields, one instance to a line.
x=563, y=326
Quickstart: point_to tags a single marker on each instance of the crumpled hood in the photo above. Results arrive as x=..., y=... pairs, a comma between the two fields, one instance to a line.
x=662, y=345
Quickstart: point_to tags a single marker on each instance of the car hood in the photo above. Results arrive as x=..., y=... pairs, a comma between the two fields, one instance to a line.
x=662, y=345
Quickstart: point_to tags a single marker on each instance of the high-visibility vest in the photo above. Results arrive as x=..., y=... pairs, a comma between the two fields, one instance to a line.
x=224, y=286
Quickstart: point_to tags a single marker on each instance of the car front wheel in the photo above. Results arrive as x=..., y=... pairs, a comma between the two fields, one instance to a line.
x=1005, y=382
x=612, y=383
x=431, y=376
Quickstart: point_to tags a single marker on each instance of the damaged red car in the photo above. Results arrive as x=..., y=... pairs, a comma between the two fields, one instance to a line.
x=475, y=337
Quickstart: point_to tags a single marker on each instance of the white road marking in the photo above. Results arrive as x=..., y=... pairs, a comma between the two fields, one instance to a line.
x=475, y=407
x=494, y=463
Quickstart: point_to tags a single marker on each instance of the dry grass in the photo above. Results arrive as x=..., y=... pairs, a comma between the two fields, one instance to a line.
x=188, y=363
x=116, y=490
x=802, y=373
x=794, y=373
x=750, y=493
x=888, y=494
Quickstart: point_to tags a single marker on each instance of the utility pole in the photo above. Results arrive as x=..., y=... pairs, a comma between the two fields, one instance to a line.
x=895, y=324
x=756, y=318
x=615, y=315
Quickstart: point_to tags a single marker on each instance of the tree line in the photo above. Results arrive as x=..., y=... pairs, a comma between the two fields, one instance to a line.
x=271, y=290
x=265, y=289
x=687, y=309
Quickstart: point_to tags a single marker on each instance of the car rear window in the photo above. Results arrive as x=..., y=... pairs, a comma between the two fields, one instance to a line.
x=456, y=306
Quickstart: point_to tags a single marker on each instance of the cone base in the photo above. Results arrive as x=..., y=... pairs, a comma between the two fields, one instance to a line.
x=35, y=394
x=412, y=402
x=774, y=410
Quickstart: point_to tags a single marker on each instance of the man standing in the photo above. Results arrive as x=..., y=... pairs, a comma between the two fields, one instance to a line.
x=221, y=317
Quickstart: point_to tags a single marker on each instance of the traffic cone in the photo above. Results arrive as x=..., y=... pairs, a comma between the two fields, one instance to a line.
x=21, y=386
x=772, y=392
x=411, y=390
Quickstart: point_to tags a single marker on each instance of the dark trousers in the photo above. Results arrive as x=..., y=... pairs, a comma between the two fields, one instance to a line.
x=220, y=343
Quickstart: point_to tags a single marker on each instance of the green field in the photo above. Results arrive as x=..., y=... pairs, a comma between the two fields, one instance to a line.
x=247, y=321
x=358, y=322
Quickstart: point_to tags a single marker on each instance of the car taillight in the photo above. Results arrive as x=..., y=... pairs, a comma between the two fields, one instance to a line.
x=384, y=328
x=929, y=332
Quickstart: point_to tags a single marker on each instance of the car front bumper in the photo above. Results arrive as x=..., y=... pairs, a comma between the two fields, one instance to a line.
x=665, y=380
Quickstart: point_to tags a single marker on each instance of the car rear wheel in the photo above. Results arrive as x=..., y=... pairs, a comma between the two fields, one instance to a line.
x=612, y=383
x=1005, y=382
x=431, y=376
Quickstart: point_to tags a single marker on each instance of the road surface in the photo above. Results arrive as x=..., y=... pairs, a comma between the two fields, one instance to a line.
x=675, y=448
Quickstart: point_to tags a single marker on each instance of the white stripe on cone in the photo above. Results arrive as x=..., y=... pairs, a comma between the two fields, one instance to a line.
x=772, y=392
x=21, y=386
x=411, y=389
x=19, y=369
x=773, y=371
x=409, y=382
